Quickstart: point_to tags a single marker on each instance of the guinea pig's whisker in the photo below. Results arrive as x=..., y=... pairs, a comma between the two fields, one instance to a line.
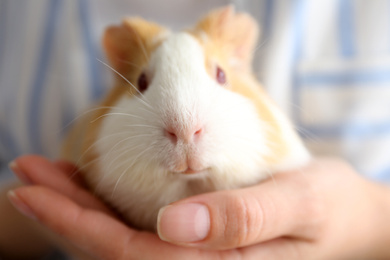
x=125, y=79
x=80, y=169
x=127, y=168
x=143, y=101
x=130, y=63
x=148, y=126
x=111, y=170
x=145, y=166
x=123, y=152
x=151, y=159
x=116, y=114
x=258, y=47
x=124, y=140
x=269, y=173
x=87, y=112
x=89, y=163
x=308, y=135
x=95, y=143
x=300, y=108
x=146, y=110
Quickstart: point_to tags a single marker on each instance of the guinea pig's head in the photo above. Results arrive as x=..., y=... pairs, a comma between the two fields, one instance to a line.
x=186, y=106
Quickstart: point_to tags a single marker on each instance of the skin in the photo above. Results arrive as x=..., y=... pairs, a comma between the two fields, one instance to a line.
x=323, y=211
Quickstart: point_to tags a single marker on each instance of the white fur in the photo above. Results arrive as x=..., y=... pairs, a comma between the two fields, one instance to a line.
x=138, y=162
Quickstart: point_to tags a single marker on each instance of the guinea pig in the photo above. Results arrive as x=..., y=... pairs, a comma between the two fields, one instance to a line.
x=185, y=116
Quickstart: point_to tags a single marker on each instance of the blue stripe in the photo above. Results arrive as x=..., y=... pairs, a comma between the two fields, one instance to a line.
x=266, y=14
x=3, y=36
x=267, y=20
x=96, y=88
x=3, y=23
x=37, y=89
x=346, y=78
x=351, y=130
x=383, y=175
x=346, y=29
x=297, y=43
x=7, y=140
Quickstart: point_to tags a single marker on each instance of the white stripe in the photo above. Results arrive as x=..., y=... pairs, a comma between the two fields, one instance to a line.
x=335, y=64
x=74, y=62
x=327, y=106
x=277, y=74
x=320, y=33
x=368, y=156
x=372, y=27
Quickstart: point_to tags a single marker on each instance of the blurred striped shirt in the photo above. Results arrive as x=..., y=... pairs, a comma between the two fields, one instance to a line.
x=326, y=63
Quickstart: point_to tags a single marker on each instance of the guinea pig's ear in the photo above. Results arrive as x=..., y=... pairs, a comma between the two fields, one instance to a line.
x=129, y=45
x=237, y=32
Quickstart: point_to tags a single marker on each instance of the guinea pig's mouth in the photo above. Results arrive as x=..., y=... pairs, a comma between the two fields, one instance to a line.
x=192, y=172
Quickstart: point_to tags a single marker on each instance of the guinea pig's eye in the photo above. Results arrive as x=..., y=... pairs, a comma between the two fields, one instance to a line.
x=220, y=76
x=142, y=83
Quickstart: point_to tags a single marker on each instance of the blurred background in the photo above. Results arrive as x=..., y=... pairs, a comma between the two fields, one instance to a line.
x=326, y=63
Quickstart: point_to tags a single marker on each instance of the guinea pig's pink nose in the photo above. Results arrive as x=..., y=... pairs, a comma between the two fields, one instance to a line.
x=187, y=136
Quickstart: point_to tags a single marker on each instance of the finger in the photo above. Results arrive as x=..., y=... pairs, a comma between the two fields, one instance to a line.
x=70, y=220
x=98, y=233
x=279, y=249
x=71, y=170
x=35, y=169
x=39, y=170
x=66, y=167
x=285, y=206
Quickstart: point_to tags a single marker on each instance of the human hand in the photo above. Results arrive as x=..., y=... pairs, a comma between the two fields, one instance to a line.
x=54, y=196
x=324, y=211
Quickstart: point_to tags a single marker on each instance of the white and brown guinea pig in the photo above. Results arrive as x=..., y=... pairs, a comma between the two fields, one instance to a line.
x=186, y=116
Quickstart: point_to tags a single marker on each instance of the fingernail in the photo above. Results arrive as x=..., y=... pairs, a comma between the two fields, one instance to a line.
x=20, y=205
x=183, y=223
x=13, y=166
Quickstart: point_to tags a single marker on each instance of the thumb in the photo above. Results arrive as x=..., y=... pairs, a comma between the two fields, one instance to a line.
x=237, y=218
